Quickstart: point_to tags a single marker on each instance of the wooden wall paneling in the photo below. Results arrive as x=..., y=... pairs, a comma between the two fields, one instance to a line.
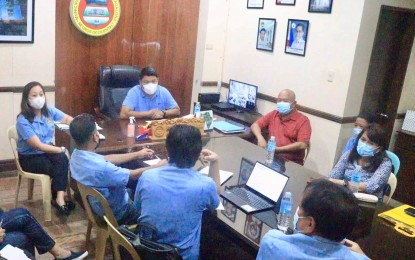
x=78, y=57
x=165, y=36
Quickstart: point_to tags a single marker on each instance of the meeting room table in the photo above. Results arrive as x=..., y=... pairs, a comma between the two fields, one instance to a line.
x=238, y=236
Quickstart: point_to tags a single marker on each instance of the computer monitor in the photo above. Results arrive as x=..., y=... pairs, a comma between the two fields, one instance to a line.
x=242, y=95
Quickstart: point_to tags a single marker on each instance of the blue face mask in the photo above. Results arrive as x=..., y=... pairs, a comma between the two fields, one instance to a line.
x=357, y=131
x=296, y=218
x=284, y=108
x=365, y=150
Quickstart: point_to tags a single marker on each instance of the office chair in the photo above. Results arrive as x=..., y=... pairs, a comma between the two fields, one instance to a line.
x=96, y=220
x=114, y=83
x=43, y=178
x=395, y=161
x=118, y=240
x=392, y=182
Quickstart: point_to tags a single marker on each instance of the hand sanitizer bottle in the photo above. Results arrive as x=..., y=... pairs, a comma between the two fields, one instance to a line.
x=131, y=127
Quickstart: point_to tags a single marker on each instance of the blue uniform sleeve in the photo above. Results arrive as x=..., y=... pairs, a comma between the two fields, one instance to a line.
x=350, y=144
x=24, y=128
x=211, y=195
x=137, y=195
x=268, y=248
x=55, y=114
x=169, y=101
x=113, y=176
x=131, y=99
x=340, y=168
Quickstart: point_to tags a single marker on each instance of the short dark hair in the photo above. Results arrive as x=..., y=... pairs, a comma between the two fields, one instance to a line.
x=262, y=30
x=370, y=118
x=184, y=144
x=148, y=71
x=377, y=135
x=82, y=128
x=25, y=109
x=300, y=25
x=333, y=207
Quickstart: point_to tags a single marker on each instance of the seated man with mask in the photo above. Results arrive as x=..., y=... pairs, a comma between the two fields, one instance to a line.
x=326, y=215
x=149, y=100
x=292, y=130
x=99, y=172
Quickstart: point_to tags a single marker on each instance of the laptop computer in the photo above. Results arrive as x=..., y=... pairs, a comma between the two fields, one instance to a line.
x=261, y=192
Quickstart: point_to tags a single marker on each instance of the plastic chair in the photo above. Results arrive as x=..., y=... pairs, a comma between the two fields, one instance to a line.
x=96, y=220
x=392, y=182
x=395, y=161
x=43, y=178
x=118, y=240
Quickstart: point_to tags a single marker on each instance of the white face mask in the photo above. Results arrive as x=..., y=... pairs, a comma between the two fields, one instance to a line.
x=150, y=88
x=37, y=102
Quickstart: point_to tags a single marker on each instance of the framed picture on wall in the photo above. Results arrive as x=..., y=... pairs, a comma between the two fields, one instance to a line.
x=285, y=2
x=320, y=6
x=255, y=4
x=297, y=34
x=17, y=21
x=265, y=34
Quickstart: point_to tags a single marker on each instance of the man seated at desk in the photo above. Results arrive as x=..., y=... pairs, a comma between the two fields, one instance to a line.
x=149, y=100
x=326, y=216
x=292, y=130
x=172, y=198
x=99, y=172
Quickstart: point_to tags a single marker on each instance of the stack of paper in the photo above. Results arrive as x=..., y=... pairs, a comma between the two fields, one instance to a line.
x=61, y=126
x=227, y=128
x=11, y=252
x=224, y=175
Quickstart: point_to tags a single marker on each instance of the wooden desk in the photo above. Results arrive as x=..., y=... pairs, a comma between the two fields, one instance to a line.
x=116, y=140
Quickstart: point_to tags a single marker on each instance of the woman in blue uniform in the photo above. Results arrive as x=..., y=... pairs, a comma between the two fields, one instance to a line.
x=37, y=153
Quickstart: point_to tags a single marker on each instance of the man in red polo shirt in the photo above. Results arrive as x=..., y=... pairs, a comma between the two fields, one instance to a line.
x=292, y=130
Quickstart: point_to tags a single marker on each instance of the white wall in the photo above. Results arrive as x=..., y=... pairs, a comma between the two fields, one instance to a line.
x=22, y=63
x=341, y=41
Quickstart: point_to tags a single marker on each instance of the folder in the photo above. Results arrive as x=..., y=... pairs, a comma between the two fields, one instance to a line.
x=404, y=223
x=227, y=128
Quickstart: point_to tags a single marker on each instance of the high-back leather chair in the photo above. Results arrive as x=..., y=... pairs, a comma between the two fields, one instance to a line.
x=114, y=83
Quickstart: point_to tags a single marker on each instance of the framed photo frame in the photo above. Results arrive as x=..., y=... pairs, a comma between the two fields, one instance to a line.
x=230, y=210
x=285, y=2
x=266, y=33
x=255, y=4
x=245, y=170
x=320, y=6
x=297, y=35
x=253, y=228
x=208, y=116
x=17, y=21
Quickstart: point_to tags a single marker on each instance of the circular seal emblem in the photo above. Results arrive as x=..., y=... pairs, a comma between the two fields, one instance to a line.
x=95, y=17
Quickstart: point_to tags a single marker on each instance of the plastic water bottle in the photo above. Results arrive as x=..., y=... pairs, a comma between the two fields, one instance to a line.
x=270, y=150
x=131, y=127
x=285, y=212
x=355, y=181
x=197, y=108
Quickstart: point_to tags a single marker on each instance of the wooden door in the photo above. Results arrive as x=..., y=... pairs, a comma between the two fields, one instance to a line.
x=164, y=36
x=388, y=64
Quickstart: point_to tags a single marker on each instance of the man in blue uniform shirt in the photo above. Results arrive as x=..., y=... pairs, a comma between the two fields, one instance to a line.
x=326, y=216
x=149, y=100
x=172, y=198
x=99, y=172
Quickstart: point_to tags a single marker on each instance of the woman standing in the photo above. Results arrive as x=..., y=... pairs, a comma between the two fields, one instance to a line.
x=37, y=153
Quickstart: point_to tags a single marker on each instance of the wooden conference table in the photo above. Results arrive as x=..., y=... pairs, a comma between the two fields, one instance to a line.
x=239, y=237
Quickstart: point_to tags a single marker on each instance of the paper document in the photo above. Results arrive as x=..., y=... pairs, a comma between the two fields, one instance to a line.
x=152, y=162
x=61, y=126
x=224, y=175
x=220, y=207
x=98, y=127
x=11, y=252
x=101, y=136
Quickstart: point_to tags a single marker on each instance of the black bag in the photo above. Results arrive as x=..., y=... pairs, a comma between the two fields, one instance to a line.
x=147, y=248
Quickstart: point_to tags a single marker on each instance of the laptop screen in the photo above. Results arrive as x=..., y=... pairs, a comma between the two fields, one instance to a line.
x=267, y=181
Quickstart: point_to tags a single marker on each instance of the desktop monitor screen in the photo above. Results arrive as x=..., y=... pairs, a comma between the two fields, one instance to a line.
x=242, y=95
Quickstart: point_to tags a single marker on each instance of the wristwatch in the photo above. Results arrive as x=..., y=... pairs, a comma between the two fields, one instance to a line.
x=63, y=149
x=345, y=183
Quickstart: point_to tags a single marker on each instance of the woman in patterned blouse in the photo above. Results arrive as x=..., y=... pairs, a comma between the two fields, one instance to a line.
x=369, y=159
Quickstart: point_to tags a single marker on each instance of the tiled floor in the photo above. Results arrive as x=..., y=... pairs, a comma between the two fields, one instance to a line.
x=68, y=232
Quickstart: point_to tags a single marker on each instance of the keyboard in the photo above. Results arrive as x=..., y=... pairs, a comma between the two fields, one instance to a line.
x=250, y=198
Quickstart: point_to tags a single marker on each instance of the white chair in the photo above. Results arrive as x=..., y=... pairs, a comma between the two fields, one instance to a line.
x=43, y=178
x=392, y=182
